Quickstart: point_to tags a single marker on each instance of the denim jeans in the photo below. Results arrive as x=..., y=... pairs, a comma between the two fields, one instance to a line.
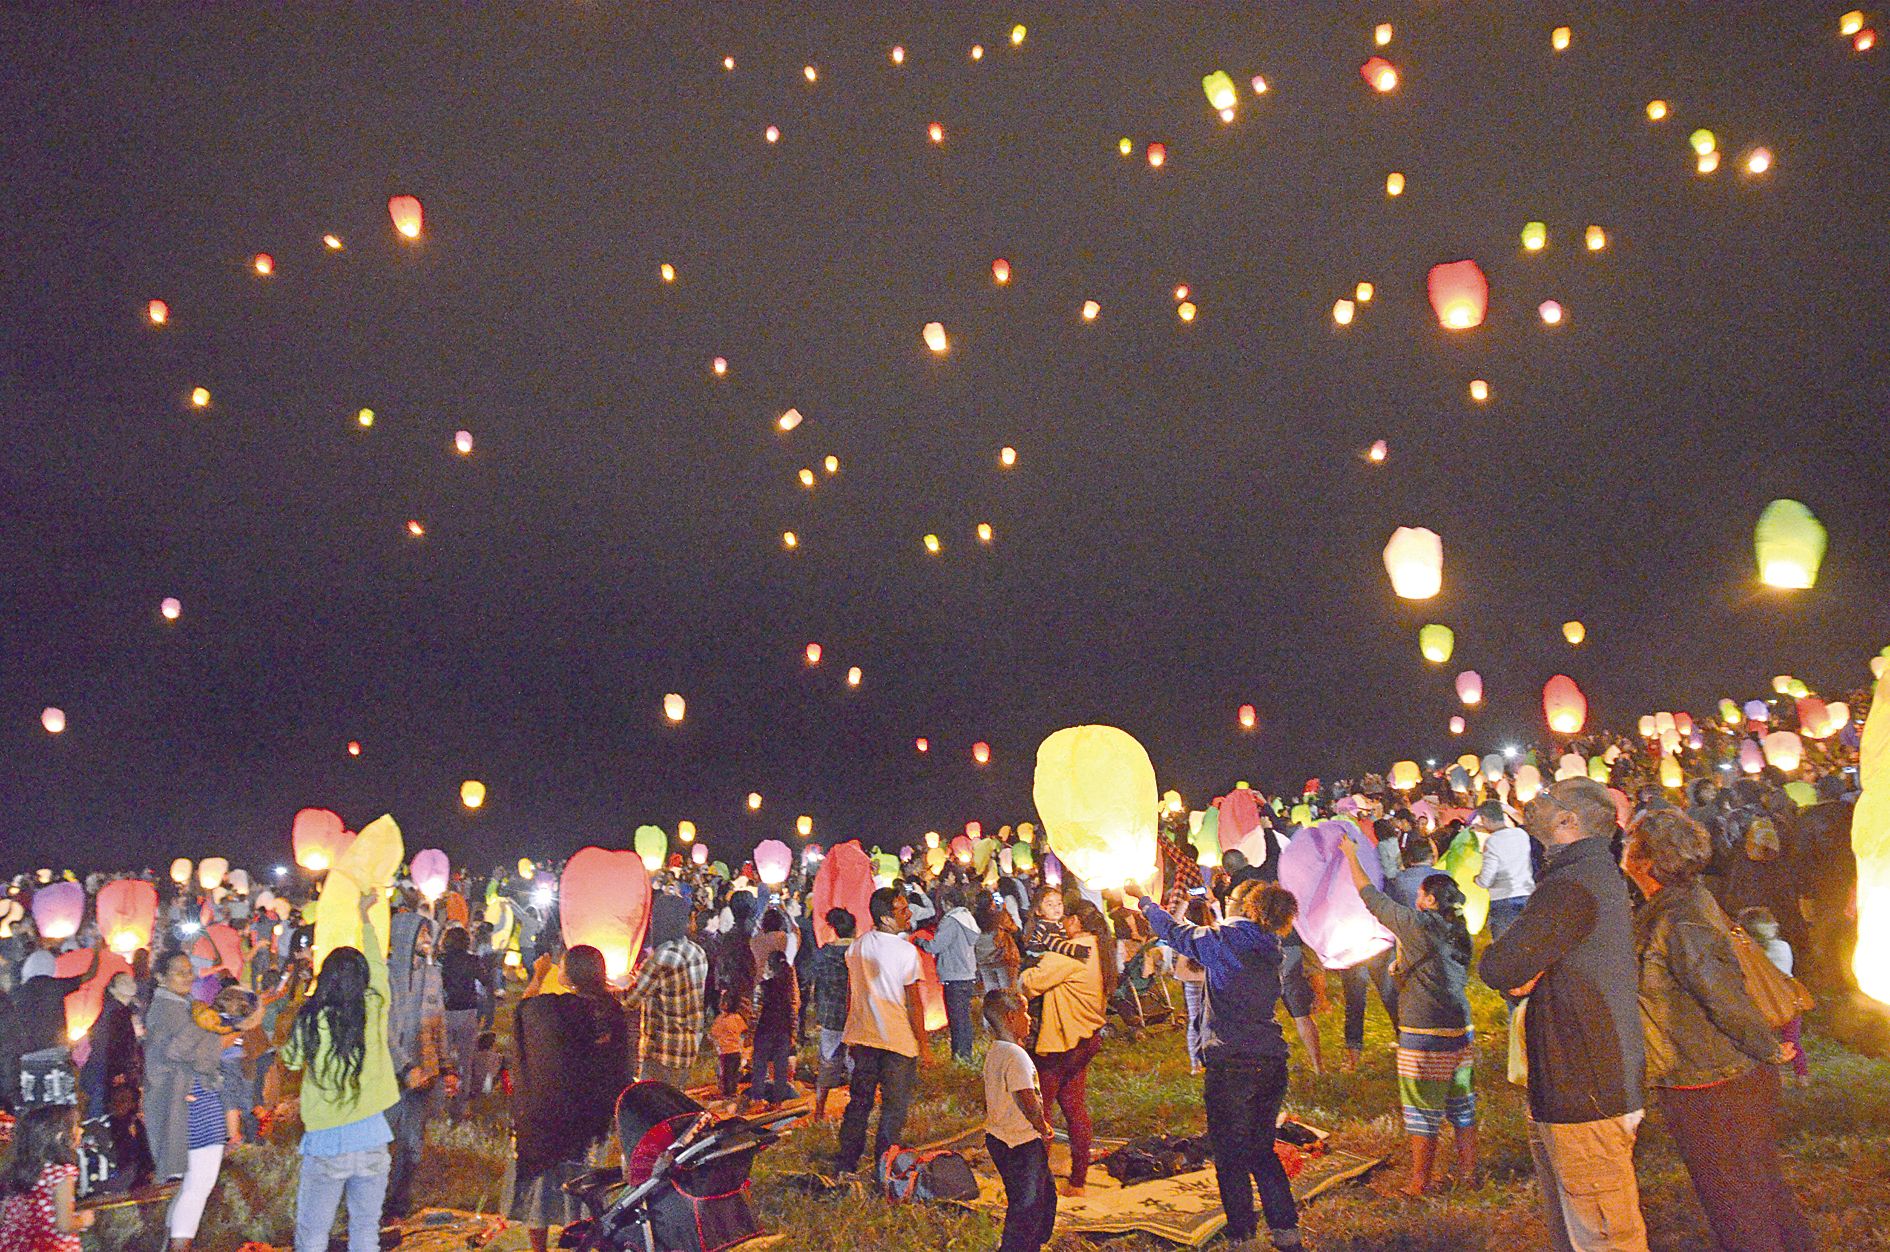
x=958, y=996
x=1243, y=1106
x=1376, y=972
x=1194, y=995
x=895, y=1077
x=774, y=1063
x=1503, y=915
x=362, y=1178
x=1030, y=1194
x=408, y=1121
x=462, y=1038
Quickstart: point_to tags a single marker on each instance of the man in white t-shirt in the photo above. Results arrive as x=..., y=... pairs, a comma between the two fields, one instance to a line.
x=885, y=1032
x=1016, y=1132
x=1506, y=872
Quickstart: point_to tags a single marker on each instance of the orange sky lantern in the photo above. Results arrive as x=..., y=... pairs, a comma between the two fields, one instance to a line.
x=318, y=839
x=263, y=264
x=127, y=914
x=981, y=752
x=1564, y=705
x=1248, y=716
x=1000, y=271
x=158, y=311
x=813, y=654
x=1380, y=74
x=1157, y=153
x=1460, y=294
x=405, y=210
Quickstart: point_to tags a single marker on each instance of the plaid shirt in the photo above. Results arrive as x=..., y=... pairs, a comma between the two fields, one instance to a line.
x=831, y=985
x=669, y=990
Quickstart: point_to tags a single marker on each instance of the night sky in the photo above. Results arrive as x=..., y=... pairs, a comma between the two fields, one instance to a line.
x=1191, y=524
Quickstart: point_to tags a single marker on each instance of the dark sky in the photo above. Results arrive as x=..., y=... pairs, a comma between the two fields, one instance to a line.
x=1191, y=524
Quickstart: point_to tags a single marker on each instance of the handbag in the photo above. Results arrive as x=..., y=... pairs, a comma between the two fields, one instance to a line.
x=1518, y=1048
x=1778, y=995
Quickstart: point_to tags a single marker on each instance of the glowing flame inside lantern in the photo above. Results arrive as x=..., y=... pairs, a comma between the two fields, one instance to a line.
x=1564, y=705
x=405, y=210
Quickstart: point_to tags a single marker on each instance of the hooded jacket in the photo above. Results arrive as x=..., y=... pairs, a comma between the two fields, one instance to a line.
x=954, y=946
x=416, y=1013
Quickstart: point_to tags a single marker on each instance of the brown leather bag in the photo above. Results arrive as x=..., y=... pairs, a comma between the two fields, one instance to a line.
x=1778, y=995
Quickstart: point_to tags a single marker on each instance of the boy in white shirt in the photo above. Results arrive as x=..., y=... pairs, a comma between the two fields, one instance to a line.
x=1016, y=1132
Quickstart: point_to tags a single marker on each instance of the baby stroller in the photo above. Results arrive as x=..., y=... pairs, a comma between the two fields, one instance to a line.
x=1141, y=997
x=683, y=1184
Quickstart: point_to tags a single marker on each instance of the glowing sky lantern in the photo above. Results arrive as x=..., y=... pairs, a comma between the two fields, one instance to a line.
x=1090, y=310
x=1781, y=683
x=1559, y=37
x=977, y=52
x=1394, y=184
x=985, y=532
x=961, y=849
x=1657, y=110
x=1814, y=718
x=1731, y=713
x=772, y=134
x=1570, y=766
x=719, y=366
x=931, y=543
x=1757, y=711
x=1343, y=312
x=1436, y=643
x=1017, y=34
x=58, y=909
x=1414, y=558
x=1646, y=726
x=1564, y=705
x=790, y=540
x=1364, y=292
x=1125, y=146
x=1870, y=843
x=1535, y=236
x=1550, y=312
x=1219, y=87
x=1596, y=238
x=652, y=845
x=318, y=839
x=1247, y=717
x=1380, y=74
x=830, y=463
x=1157, y=153
x=1751, y=756
x=367, y=864
x=1849, y=25
x=364, y=418
x=1463, y=860
x=754, y=801
x=1259, y=85
x=82, y=1007
x=1381, y=34
x=981, y=752
x=1708, y=163
x=935, y=336
x=463, y=442
x=1479, y=390
x=604, y=902
x=1001, y=271
x=667, y=271
x=170, y=608
x=405, y=210
x=263, y=264
x=1492, y=766
x=127, y=913
x=1864, y=40
x=1185, y=311
x=788, y=420
x=1404, y=775
x=472, y=793
x=674, y=707
x=1784, y=750
x=1528, y=784
x=898, y=55
x=699, y=854
x=182, y=870
x=1789, y=543
x=1377, y=453
x=1703, y=141
x=1095, y=791
x=158, y=311
x=430, y=871
x=773, y=860
x=1671, y=775
x=804, y=825
x=1333, y=920
x=1470, y=687
x=811, y=74
x=1574, y=632
x=1460, y=294
x=210, y=872
x=844, y=880
x=1758, y=161
x=1458, y=725
x=853, y=676
x=812, y=653
x=935, y=132
x=332, y=242
x=199, y=397
x=921, y=744
x=1007, y=457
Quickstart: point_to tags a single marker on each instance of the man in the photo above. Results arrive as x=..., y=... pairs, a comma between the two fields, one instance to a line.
x=416, y=1042
x=954, y=945
x=1571, y=951
x=671, y=990
x=831, y=995
x=1420, y=862
x=1506, y=872
x=885, y=1031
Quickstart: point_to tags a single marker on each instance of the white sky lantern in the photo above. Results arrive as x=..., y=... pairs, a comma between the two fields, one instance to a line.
x=1414, y=558
x=788, y=420
x=935, y=336
x=1528, y=784
x=181, y=870
x=674, y=707
x=463, y=442
x=1784, y=750
x=210, y=872
x=1571, y=766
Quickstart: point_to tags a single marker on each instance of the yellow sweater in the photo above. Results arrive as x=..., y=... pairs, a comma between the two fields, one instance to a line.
x=325, y=1107
x=1072, y=992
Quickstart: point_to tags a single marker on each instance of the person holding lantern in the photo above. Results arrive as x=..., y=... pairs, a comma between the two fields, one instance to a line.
x=670, y=989
x=885, y=1031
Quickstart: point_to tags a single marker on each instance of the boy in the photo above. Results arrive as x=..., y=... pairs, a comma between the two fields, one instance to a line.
x=832, y=991
x=1016, y=1132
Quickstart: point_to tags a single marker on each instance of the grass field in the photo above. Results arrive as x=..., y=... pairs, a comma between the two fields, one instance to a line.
x=1837, y=1137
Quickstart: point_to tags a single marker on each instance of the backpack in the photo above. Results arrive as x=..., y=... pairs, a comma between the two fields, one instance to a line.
x=905, y=1174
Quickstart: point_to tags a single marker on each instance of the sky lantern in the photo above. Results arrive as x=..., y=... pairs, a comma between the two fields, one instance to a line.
x=1460, y=294
x=1090, y=310
x=1758, y=161
x=1864, y=40
x=699, y=854
x=1259, y=84
x=82, y=1007
x=772, y=134
x=1364, y=292
x=898, y=54
x=415, y=529
x=405, y=210
x=1377, y=453
x=1657, y=110
x=1479, y=390
x=773, y=860
x=754, y=802
x=806, y=476
x=921, y=744
x=853, y=676
x=1731, y=713
x=790, y=540
x=181, y=870
x=1703, y=141
x=935, y=336
x=1751, y=756
x=719, y=366
x=367, y=865
x=981, y=752
x=472, y=793
x=1219, y=87
x=1574, y=632
x=1394, y=184
x=463, y=442
x=1094, y=789
x=1185, y=311
x=1343, y=312
x=1784, y=750
x=1436, y=643
x=1758, y=711
x=1414, y=558
x=931, y=543
x=804, y=825
x=1596, y=238
x=1646, y=726
x=1381, y=35
x=1333, y=920
x=1870, y=843
x=1564, y=705
x=158, y=311
x=364, y=418
x=1814, y=718
x=1789, y=543
x=1405, y=775
x=1017, y=34
x=667, y=271
x=1559, y=37
x=1571, y=765
x=843, y=881
x=1157, y=153
x=1247, y=717
x=1125, y=146
x=1458, y=725
x=1849, y=25
x=1007, y=457
x=977, y=52
x=430, y=872
x=332, y=242
x=652, y=845
x=788, y=420
x=170, y=608
x=1528, y=784
x=210, y=872
x=1708, y=162
x=1535, y=236
x=985, y=532
x=1470, y=687
x=935, y=132
x=263, y=264
x=199, y=397
x=1671, y=776
x=604, y=903
x=318, y=839
x=812, y=653
x=674, y=706
x=127, y=913
x=1380, y=74
x=1001, y=271
x=1597, y=768
x=961, y=849
x=58, y=909
x=1551, y=313
x=1492, y=766
x=686, y=830
x=830, y=463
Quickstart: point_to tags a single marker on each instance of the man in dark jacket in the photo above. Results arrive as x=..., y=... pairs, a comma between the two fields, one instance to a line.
x=1571, y=950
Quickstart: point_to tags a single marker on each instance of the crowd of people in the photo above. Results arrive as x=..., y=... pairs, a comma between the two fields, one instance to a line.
x=1616, y=911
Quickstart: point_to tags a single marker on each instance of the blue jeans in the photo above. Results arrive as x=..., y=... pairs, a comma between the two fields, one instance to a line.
x=774, y=1062
x=1030, y=1193
x=1503, y=915
x=362, y=1178
x=1194, y=995
x=1375, y=972
x=895, y=1078
x=958, y=1015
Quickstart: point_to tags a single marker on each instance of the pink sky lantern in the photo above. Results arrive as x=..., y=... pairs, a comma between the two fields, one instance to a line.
x=58, y=910
x=220, y=948
x=961, y=849
x=127, y=912
x=430, y=871
x=604, y=901
x=1460, y=294
x=1333, y=919
x=1470, y=687
x=83, y=1006
x=319, y=839
x=981, y=752
x=773, y=860
x=405, y=210
x=700, y=854
x=1240, y=830
x=1564, y=705
x=844, y=881
x=1751, y=757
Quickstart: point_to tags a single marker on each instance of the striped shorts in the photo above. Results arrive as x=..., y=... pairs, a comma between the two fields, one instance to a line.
x=1434, y=1081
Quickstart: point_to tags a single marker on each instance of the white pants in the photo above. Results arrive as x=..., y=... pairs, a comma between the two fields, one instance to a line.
x=200, y=1178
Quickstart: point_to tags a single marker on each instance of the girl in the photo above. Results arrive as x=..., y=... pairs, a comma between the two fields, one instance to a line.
x=40, y=1183
x=726, y=1033
x=1075, y=977
x=1193, y=979
x=778, y=1009
x=1435, y=1042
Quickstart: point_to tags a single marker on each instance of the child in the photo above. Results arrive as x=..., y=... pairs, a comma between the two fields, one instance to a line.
x=778, y=1001
x=1016, y=1132
x=40, y=1183
x=726, y=1033
x=1763, y=927
x=832, y=991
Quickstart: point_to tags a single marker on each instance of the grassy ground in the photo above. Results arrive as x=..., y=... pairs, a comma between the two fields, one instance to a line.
x=1837, y=1140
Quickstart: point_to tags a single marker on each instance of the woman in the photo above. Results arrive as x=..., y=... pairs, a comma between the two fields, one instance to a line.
x=1076, y=976
x=1436, y=1047
x=572, y=1059
x=1710, y=1052
x=339, y=1043
x=1243, y=1049
x=1192, y=977
x=183, y=1105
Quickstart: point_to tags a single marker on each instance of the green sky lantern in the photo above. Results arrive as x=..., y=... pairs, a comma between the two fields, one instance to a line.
x=652, y=845
x=1535, y=236
x=1220, y=90
x=1436, y=643
x=1789, y=543
x=1703, y=141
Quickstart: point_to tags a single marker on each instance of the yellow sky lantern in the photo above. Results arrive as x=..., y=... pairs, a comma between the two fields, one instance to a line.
x=1436, y=643
x=1090, y=310
x=405, y=210
x=1535, y=236
x=1181, y=292
x=1479, y=390
x=472, y=793
x=1596, y=238
x=1783, y=750
x=332, y=242
x=1574, y=632
x=853, y=676
x=1343, y=312
x=651, y=845
x=263, y=264
x=1657, y=110
x=1851, y=23
x=1364, y=292
x=830, y=463
x=1789, y=543
x=754, y=801
x=364, y=418
x=1414, y=559
x=1559, y=38
x=1394, y=184
x=1381, y=35
x=1007, y=456
x=1703, y=141
x=812, y=653
x=674, y=707
x=806, y=477
x=1185, y=311
x=1094, y=788
x=1405, y=775
x=935, y=336
x=984, y=532
x=1870, y=844
x=788, y=420
x=977, y=52
x=668, y=272
x=158, y=311
x=931, y=544
x=1528, y=784
x=790, y=540
x=1125, y=146
x=199, y=397
x=1219, y=88
x=686, y=831
x=1671, y=775
x=1017, y=34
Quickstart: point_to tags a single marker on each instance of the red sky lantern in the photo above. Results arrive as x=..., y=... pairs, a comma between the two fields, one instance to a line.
x=1380, y=74
x=1564, y=705
x=158, y=311
x=604, y=901
x=843, y=881
x=1460, y=294
x=1157, y=153
x=1001, y=271
x=981, y=752
x=961, y=850
x=127, y=912
x=82, y=1007
x=319, y=839
x=405, y=210
x=922, y=744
